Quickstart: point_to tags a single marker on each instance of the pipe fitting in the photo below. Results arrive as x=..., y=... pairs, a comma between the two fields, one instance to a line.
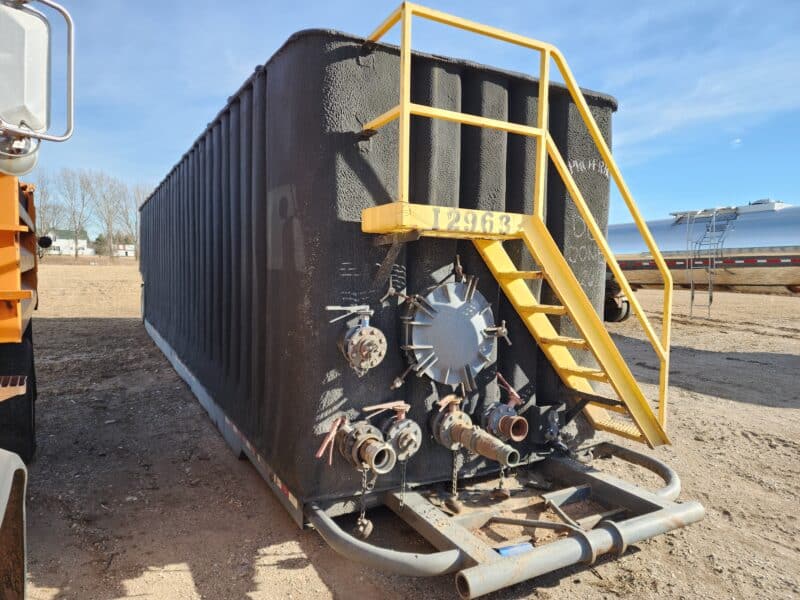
x=380, y=457
x=513, y=428
x=484, y=443
x=363, y=446
x=404, y=435
x=503, y=421
x=453, y=429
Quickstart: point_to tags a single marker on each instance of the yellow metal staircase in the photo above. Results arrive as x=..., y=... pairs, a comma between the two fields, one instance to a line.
x=635, y=419
x=595, y=338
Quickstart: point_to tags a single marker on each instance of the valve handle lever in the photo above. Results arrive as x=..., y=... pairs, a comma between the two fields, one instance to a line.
x=514, y=398
x=361, y=310
x=327, y=443
x=500, y=331
x=398, y=406
x=400, y=380
x=451, y=401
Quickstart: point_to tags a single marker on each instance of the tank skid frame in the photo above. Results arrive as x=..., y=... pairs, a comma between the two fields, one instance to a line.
x=631, y=515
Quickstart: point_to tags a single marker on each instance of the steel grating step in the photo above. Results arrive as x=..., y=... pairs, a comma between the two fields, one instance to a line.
x=573, y=302
x=625, y=428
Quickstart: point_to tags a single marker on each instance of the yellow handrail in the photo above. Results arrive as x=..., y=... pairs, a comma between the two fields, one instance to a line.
x=545, y=147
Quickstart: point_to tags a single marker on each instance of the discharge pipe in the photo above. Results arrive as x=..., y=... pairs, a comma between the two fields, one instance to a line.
x=484, y=443
x=504, y=422
x=453, y=428
x=361, y=444
x=608, y=537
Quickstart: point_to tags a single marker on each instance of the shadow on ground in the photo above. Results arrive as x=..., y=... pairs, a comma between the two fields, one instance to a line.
x=134, y=493
x=749, y=377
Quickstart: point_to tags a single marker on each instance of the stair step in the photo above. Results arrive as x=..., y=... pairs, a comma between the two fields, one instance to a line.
x=633, y=418
x=512, y=275
x=586, y=373
x=12, y=385
x=625, y=428
x=545, y=309
x=569, y=342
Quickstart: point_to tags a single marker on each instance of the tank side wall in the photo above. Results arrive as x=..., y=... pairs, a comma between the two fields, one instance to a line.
x=258, y=230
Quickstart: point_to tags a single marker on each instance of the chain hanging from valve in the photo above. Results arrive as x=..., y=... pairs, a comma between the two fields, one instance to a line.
x=402, y=433
x=364, y=526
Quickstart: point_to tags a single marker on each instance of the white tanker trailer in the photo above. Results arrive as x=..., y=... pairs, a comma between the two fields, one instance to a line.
x=752, y=248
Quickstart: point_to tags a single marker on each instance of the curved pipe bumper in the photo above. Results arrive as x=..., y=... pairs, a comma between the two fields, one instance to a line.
x=402, y=563
x=672, y=487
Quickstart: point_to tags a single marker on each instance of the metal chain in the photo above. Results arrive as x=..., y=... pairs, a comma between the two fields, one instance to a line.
x=364, y=490
x=454, y=483
x=403, y=483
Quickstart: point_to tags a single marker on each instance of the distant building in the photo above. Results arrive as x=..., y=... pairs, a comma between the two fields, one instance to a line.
x=64, y=243
x=125, y=250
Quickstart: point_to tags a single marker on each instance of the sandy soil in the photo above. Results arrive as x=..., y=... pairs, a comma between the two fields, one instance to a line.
x=134, y=494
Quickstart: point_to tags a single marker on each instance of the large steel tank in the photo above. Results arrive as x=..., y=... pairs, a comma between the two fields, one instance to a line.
x=750, y=248
x=257, y=230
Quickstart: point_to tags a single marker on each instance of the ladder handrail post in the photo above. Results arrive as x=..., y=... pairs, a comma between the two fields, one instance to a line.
x=404, y=140
x=542, y=122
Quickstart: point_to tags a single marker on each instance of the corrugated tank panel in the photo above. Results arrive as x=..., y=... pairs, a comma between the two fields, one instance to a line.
x=257, y=229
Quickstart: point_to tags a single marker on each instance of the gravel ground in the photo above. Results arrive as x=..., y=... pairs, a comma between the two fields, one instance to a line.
x=134, y=494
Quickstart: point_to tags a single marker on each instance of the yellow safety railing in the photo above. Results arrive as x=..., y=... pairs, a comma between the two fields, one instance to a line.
x=544, y=148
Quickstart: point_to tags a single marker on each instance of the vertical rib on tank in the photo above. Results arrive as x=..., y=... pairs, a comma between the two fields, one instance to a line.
x=257, y=230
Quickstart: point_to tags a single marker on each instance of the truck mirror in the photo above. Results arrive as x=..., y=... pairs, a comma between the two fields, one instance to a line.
x=25, y=83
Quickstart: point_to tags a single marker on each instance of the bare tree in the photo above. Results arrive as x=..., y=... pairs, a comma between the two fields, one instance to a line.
x=49, y=211
x=76, y=193
x=109, y=196
x=129, y=217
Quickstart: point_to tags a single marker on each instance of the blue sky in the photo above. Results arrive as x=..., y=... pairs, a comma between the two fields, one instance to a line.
x=709, y=90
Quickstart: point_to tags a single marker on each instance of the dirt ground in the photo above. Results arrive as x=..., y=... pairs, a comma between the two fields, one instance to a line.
x=134, y=494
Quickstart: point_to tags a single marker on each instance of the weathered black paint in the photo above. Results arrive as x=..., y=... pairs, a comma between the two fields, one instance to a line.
x=257, y=229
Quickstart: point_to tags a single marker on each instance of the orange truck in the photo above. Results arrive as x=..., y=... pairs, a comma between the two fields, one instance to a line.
x=24, y=123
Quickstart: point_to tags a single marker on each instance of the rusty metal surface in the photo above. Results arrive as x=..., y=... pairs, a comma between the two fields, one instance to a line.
x=480, y=442
x=607, y=537
x=513, y=428
x=438, y=528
